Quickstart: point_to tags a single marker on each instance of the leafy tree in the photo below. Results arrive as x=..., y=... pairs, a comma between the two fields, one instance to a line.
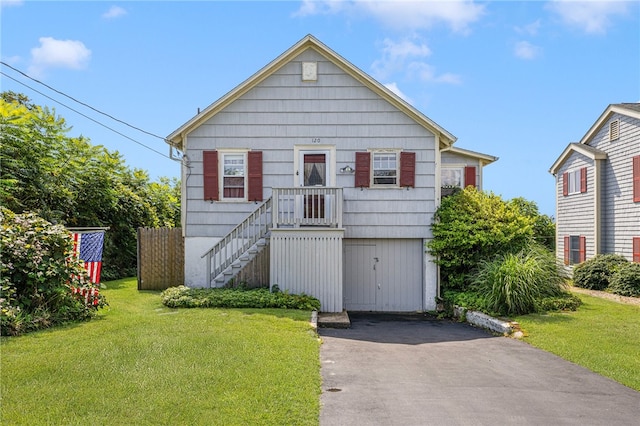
x=68, y=180
x=471, y=226
x=544, y=229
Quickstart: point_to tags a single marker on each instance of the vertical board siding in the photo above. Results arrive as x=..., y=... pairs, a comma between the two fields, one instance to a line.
x=281, y=112
x=160, y=258
x=392, y=283
x=309, y=263
x=620, y=214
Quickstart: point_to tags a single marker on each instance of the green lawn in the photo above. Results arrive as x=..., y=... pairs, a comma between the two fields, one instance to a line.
x=602, y=335
x=142, y=363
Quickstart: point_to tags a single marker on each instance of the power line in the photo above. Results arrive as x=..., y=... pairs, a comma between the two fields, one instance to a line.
x=82, y=103
x=89, y=118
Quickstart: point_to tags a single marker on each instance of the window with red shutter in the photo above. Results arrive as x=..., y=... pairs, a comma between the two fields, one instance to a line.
x=254, y=168
x=582, y=249
x=565, y=184
x=210, y=175
x=636, y=179
x=408, y=169
x=567, y=250
x=575, y=249
x=636, y=249
x=470, y=176
x=363, y=170
x=583, y=179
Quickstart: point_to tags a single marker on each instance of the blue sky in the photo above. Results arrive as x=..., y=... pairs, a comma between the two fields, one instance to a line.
x=518, y=80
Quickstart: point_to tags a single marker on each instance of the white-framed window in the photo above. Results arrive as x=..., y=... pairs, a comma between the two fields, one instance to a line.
x=574, y=181
x=233, y=175
x=385, y=168
x=452, y=177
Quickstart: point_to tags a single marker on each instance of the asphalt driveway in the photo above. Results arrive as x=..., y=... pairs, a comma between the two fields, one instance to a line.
x=415, y=370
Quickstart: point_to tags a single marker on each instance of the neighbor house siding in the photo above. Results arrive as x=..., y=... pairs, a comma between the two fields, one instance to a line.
x=575, y=215
x=453, y=159
x=620, y=215
x=281, y=112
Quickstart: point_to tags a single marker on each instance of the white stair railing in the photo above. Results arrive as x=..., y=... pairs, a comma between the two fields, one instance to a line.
x=237, y=242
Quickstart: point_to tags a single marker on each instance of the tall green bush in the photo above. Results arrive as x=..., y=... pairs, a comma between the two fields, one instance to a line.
x=515, y=283
x=42, y=283
x=470, y=227
x=596, y=273
x=70, y=181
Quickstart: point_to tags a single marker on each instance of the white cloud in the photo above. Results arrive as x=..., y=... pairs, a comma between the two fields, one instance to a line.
x=406, y=15
x=529, y=29
x=589, y=16
x=526, y=50
x=396, y=54
x=407, y=56
x=394, y=88
x=54, y=53
x=114, y=12
x=9, y=3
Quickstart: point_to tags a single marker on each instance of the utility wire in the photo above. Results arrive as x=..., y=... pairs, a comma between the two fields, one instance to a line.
x=89, y=118
x=81, y=103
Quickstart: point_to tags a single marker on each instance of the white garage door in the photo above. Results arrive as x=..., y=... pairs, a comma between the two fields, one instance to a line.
x=383, y=275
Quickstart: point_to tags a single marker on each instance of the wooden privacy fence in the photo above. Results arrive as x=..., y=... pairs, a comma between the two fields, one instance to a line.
x=160, y=258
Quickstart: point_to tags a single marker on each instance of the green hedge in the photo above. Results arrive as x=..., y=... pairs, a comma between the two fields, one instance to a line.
x=596, y=273
x=626, y=281
x=185, y=297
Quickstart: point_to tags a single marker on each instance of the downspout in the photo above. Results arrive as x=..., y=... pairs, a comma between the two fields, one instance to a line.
x=438, y=192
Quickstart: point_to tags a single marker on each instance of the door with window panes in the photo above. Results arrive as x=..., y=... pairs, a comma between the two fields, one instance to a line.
x=314, y=174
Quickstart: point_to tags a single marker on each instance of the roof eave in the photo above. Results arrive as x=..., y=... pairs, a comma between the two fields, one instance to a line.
x=576, y=147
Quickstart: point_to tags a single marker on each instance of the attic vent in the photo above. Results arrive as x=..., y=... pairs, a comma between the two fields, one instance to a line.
x=614, y=130
x=309, y=71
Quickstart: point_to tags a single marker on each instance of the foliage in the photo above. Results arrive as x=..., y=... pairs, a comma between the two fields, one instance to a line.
x=146, y=364
x=544, y=229
x=626, y=281
x=563, y=302
x=184, y=297
x=596, y=273
x=68, y=180
x=602, y=335
x=471, y=226
x=42, y=283
x=513, y=283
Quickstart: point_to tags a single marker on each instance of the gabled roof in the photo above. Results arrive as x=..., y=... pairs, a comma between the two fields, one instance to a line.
x=176, y=138
x=589, y=151
x=628, y=109
x=483, y=158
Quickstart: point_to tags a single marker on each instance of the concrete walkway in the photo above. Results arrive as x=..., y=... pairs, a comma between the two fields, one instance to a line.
x=414, y=370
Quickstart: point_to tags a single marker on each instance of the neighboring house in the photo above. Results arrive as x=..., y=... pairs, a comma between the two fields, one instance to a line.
x=598, y=189
x=316, y=165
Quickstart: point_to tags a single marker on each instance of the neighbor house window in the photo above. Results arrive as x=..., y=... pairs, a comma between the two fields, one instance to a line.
x=636, y=179
x=574, y=181
x=636, y=249
x=452, y=177
x=385, y=168
x=574, y=249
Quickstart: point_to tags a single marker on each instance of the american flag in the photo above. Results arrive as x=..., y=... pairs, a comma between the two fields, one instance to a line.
x=88, y=247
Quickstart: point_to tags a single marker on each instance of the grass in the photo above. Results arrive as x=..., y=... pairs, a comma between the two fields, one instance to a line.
x=602, y=335
x=142, y=363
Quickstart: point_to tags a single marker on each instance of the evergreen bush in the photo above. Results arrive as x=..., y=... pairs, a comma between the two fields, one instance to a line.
x=596, y=273
x=626, y=281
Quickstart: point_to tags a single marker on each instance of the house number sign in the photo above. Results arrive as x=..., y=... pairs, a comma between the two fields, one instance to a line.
x=315, y=140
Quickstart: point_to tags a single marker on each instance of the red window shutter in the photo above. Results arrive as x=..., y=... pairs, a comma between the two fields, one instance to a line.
x=363, y=172
x=566, y=250
x=254, y=167
x=636, y=249
x=210, y=174
x=583, y=179
x=565, y=184
x=582, y=248
x=408, y=169
x=636, y=179
x=470, y=176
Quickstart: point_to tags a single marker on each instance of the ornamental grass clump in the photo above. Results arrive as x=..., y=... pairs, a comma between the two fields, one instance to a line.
x=516, y=283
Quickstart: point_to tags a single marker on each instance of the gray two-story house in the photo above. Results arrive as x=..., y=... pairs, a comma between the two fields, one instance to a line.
x=323, y=176
x=598, y=189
